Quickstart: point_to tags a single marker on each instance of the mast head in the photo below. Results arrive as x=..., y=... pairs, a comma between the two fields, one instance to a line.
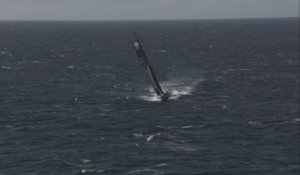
x=136, y=44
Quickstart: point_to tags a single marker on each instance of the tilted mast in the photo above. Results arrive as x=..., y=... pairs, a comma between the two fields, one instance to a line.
x=143, y=58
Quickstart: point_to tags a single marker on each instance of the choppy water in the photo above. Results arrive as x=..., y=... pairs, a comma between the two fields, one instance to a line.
x=74, y=99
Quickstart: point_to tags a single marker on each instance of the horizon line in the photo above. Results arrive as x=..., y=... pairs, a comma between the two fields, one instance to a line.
x=133, y=20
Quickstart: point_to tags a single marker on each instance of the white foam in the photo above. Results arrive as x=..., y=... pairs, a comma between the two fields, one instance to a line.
x=161, y=165
x=297, y=119
x=5, y=67
x=177, y=88
x=138, y=134
x=151, y=137
x=71, y=67
x=140, y=170
x=187, y=127
x=152, y=98
x=86, y=161
x=91, y=171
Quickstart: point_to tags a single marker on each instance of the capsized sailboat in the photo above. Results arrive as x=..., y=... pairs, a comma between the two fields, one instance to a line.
x=143, y=58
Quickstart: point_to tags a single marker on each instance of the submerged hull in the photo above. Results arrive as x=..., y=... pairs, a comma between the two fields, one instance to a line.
x=165, y=96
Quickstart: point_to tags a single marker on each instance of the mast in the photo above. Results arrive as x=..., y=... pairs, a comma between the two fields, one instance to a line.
x=143, y=58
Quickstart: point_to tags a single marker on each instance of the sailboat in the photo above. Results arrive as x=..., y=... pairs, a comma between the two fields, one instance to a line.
x=143, y=58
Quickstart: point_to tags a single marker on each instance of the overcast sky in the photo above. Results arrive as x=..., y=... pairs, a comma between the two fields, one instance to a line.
x=144, y=9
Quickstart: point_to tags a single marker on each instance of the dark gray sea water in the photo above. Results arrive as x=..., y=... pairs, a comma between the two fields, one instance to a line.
x=75, y=100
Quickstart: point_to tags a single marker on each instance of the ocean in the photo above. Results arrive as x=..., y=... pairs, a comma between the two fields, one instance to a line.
x=74, y=99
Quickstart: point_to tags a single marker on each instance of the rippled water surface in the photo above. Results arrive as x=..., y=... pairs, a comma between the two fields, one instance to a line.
x=75, y=100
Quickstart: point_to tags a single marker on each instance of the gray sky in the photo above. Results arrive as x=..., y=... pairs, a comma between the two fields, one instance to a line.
x=144, y=9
